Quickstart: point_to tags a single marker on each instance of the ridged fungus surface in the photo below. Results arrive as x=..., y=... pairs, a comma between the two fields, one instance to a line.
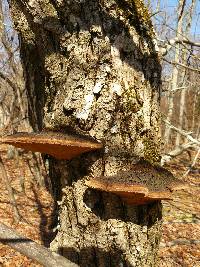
x=144, y=183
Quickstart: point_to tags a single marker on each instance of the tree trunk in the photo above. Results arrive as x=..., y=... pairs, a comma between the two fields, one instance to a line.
x=175, y=72
x=184, y=73
x=92, y=68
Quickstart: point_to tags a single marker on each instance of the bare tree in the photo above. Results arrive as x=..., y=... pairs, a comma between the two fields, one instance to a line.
x=14, y=104
x=183, y=75
x=179, y=48
x=174, y=81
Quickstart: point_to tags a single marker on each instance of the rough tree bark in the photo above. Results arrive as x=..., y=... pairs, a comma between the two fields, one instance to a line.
x=91, y=67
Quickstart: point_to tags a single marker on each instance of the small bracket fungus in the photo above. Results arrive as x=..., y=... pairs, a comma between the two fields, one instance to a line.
x=144, y=183
x=58, y=145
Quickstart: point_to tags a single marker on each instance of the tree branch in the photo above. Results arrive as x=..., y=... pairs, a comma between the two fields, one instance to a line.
x=182, y=65
x=167, y=45
x=29, y=248
x=176, y=152
x=9, y=82
x=182, y=132
x=184, y=41
x=181, y=241
x=193, y=163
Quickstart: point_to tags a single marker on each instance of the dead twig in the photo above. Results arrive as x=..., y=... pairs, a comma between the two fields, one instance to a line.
x=193, y=163
x=182, y=132
x=180, y=241
x=176, y=152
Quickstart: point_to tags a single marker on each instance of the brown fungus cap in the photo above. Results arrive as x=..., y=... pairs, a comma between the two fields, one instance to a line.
x=144, y=183
x=58, y=145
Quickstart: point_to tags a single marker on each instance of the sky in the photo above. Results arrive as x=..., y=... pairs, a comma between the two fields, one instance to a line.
x=169, y=8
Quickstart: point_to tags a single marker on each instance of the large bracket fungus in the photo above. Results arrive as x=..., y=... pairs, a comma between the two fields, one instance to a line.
x=144, y=183
x=58, y=145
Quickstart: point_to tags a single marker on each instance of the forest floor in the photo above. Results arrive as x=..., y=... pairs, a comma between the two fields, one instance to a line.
x=180, y=244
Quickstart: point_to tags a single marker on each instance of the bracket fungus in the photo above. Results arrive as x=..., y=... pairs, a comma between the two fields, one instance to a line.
x=58, y=145
x=143, y=184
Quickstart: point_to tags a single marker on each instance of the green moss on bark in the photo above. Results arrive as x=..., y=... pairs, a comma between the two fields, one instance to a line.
x=151, y=148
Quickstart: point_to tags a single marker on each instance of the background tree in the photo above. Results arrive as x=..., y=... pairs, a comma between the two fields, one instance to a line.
x=178, y=41
x=92, y=68
x=175, y=71
x=13, y=99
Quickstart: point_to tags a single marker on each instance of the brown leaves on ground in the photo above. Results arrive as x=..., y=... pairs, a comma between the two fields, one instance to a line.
x=35, y=206
x=180, y=245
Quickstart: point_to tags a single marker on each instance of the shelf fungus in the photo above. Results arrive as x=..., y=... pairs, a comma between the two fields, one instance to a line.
x=58, y=145
x=144, y=183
